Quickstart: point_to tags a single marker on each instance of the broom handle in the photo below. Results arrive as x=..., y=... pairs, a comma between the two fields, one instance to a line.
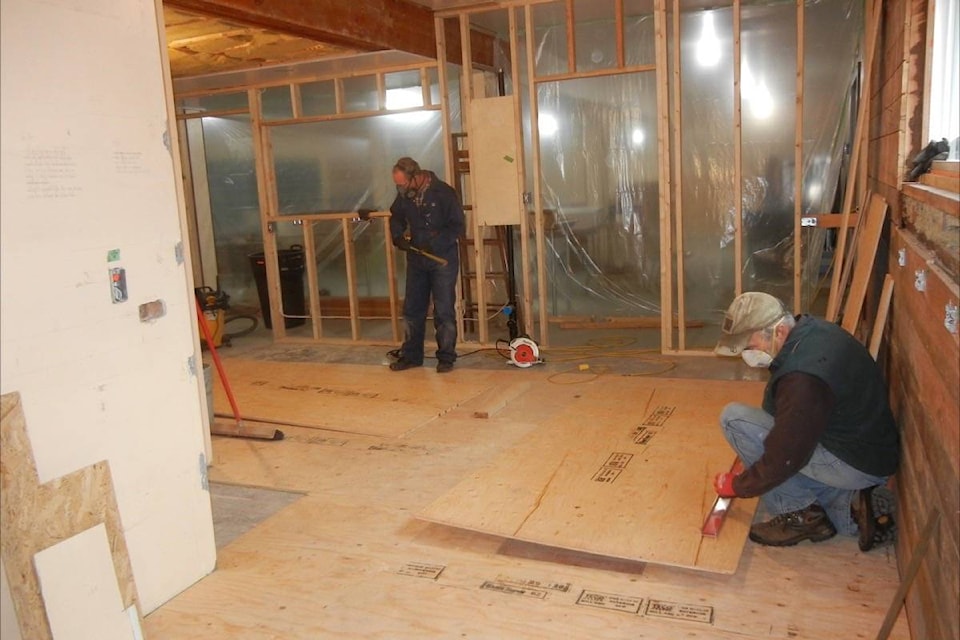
x=216, y=361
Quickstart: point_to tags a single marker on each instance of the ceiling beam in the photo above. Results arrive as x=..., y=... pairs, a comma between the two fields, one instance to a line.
x=367, y=25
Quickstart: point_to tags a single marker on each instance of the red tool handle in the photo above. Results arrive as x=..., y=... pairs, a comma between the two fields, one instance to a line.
x=216, y=361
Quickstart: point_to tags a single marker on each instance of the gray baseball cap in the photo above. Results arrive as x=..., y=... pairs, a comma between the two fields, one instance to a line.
x=748, y=313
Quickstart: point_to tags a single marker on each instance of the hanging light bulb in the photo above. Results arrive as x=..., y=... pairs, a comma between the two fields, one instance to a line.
x=761, y=103
x=708, y=47
x=637, y=137
x=547, y=125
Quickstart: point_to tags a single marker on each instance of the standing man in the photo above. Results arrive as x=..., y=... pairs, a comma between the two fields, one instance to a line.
x=824, y=442
x=426, y=217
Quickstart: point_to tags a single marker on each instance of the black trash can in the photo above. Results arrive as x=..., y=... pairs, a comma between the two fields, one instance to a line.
x=291, y=262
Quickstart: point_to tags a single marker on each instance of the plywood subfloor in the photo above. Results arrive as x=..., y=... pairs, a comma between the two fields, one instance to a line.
x=352, y=398
x=350, y=559
x=625, y=471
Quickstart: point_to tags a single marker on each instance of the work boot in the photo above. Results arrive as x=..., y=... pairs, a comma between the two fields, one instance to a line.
x=403, y=364
x=873, y=512
x=788, y=529
x=444, y=367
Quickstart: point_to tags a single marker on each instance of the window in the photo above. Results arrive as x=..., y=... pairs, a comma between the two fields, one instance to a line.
x=943, y=110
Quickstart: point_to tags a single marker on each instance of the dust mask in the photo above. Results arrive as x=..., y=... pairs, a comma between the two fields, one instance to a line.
x=756, y=358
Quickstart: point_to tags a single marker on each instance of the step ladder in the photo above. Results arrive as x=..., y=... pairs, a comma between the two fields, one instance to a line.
x=494, y=238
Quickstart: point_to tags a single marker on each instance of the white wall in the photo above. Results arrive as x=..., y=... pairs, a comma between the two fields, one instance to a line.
x=84, y=171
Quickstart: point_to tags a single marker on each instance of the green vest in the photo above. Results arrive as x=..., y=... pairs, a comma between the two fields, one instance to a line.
x=860, y=429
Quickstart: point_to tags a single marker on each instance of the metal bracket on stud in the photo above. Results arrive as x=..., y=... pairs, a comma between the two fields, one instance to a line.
x=902, y=257
x=950, y=317
x=921, y=282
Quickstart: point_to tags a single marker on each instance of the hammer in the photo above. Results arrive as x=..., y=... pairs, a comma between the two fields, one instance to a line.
x=428, y=256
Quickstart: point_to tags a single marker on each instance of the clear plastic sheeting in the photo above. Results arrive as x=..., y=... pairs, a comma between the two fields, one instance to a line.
x=223, y=149
x=345, y=165
x=768, y=97
x=599, y=168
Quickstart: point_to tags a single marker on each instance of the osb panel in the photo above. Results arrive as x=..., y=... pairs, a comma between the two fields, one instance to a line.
x=34, y=517
x=199, y=45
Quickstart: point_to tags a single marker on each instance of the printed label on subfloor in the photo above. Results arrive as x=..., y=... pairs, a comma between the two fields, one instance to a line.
x=422, y=570
x=606, y=475
x=611, y=469
x=677, y=611
x=324, y=391
x=659, y=416
x=512, y=590
x=611, y=601
x=536, y=584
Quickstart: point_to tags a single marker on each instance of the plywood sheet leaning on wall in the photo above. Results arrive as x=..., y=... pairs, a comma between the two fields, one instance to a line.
x=626, y=473
x=37, y=516
x=353, y=398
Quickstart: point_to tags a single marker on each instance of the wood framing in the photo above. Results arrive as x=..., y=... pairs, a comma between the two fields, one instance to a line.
x=38, y=516
x=737, y=150
x=313, y=283
x=351, y=260
x=798, y=164
x=677, y=124
x=665, y=184
x=526, y=316
x=544, y=334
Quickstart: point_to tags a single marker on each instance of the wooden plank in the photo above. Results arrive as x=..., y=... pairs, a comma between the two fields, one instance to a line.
x=37, y=516
x=313, y=284
x=526, y=317
x=367, y=25
x=618, y=18
x=798, y=163
x=595, y=73
x=664, y=182
x=836, y=292
x=737, y=149
x=593, y=478
x=265, y=182
x=866, y=248
x=544, y=333
x=392, y=283
x=677, y=124
x=349, y=255
x=880, y=323
x=942, y=180
x=368, y=400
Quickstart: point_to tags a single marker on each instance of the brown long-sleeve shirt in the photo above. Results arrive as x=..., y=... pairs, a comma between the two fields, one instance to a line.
x=803, y=404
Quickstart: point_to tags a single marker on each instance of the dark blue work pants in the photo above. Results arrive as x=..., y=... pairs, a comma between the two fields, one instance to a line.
x=426, y=279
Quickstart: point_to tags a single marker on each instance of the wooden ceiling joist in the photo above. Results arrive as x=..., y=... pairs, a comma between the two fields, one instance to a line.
x=364, y=25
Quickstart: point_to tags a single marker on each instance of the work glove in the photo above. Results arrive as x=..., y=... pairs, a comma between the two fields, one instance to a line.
x=402, y=243
x=723, y=484
x=365, y=213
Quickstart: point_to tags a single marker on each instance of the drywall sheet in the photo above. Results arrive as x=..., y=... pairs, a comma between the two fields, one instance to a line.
x=493, y=160
x=83, y=565
x=358, y=399
x=625, y=472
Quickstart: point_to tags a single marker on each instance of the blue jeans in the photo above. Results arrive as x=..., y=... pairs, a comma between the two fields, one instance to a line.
x=826, y=479
x=426, y=279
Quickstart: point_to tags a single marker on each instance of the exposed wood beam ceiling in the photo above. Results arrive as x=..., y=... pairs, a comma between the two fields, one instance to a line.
x=209, y=36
